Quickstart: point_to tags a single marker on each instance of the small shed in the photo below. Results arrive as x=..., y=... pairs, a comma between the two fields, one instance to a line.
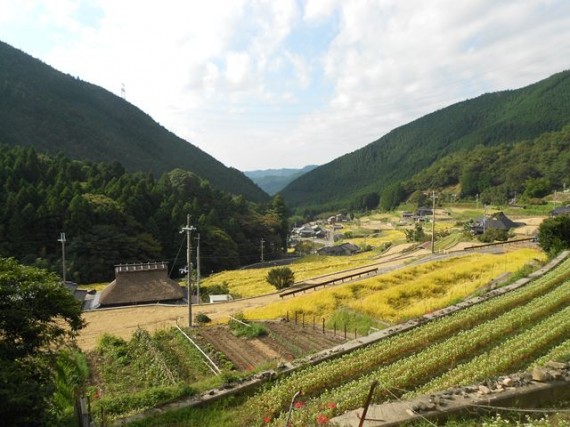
x=220, y=298
x=140, y=284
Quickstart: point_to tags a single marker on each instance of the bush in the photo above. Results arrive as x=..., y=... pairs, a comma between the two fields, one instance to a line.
x=554, y=234
x=493, y=234
x=281, y=277
x=202, y=318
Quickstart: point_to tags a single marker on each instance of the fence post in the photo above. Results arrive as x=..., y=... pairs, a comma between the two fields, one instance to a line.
x=345, y=331
x=287, y=315
x=323, y=325
x=303, y=320
x=367, y=403
x=355, y=336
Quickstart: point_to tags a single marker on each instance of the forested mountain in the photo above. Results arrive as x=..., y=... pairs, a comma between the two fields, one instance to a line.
x=273, y=181
x=111, y=216
x=56, y=113
x=487, y=120
x=527, y=169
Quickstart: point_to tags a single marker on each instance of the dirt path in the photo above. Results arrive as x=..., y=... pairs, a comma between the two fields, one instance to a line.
x=123, y=321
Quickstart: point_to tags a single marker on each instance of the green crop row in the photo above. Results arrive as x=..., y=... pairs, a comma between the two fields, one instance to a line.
x=415, y=370
x=511, y=355
x=313, y=380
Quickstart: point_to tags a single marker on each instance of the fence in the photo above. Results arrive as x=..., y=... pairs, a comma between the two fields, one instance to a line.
x=299, y=318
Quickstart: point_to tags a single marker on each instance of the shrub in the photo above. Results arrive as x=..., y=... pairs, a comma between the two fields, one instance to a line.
x=492, y=234
x=554, y=234
x=202, y=318
x=281, y=277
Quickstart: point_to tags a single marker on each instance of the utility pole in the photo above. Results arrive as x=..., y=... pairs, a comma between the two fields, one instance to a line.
x=198, y=269
x=262, y=242
x=188, y=229
x=433, y=223
x=62, y=240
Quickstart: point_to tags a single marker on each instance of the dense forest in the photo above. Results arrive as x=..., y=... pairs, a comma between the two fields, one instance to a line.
x=111, y=216
x=488, y=120
x=525, y=170
x=57, y=113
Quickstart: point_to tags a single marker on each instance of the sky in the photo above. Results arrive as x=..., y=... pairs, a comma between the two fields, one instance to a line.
x=262, y=84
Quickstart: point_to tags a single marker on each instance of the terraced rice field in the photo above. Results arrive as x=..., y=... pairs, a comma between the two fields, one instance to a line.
x=496, y=337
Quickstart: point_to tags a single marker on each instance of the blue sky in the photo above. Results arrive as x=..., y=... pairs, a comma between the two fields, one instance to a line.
x=277, y=83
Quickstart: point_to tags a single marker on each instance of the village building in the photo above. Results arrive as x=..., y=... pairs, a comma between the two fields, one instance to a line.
x=144, y=283
x=562, y=210
x=339, y=250
x=498, y=221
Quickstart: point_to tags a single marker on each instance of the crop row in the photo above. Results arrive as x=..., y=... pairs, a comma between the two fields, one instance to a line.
x=511, y=355
x=560, y=353
x=330, y=374
x=415, y=370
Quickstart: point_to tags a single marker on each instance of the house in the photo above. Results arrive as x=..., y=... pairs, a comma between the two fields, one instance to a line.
x=339, y=250
x=423, y=211
x=339, y=217
x=562, y=210
x=140, y=284
x=408, y=216
x=498, y=221
x=306, y=231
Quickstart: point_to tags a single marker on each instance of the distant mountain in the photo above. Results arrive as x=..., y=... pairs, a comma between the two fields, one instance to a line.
x=273, y=181
x=57, y=113
x=487, y=120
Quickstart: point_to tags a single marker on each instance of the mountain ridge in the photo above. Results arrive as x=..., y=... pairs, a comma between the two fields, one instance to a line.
x=274, y=180
x=489, y=119
x=55, y=112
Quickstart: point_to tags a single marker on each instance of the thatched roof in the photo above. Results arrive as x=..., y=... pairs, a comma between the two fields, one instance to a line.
x=140, y=283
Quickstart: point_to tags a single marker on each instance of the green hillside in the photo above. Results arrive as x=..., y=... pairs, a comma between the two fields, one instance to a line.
x=487, y=120
x=57, y=113
x=112, y=217
x=528, y=169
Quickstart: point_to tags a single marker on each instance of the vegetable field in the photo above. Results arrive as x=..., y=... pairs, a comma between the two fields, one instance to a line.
x=496, y=337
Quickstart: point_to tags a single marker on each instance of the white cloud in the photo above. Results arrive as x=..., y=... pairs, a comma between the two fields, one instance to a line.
x=282, y=83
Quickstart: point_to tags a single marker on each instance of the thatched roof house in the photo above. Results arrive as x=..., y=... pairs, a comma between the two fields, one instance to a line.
x=140, y=284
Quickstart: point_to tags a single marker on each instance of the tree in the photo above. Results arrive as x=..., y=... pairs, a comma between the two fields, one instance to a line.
x=417, y=234
x=554, y=234
x=281, y=277
x=536, y=187
x=280, y=209
x=392, y=196
x=38, y=317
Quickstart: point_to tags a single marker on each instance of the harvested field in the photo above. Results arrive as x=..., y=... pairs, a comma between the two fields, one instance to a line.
x=284, y=342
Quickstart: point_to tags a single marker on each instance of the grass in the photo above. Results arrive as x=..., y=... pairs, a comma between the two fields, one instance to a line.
x=221, y=413
x=253, y=282
x=353, y=321
x=449, y=241
x=406, y=293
